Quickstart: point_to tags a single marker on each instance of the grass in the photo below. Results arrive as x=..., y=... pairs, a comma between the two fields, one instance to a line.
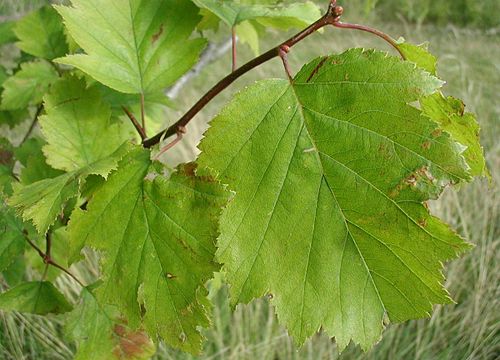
x=470, y=61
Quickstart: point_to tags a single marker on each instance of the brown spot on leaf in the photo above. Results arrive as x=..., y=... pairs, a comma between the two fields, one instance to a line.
x=424, y=172
x=130, y=344
x=437, y=133
x=189, y=169
x=426, y=145
x=422, y=222
x=5, y=157
x=157, y=35
x=411, y=180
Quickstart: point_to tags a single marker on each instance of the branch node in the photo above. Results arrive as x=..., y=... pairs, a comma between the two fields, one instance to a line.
x=181, y=131
x=283, y=53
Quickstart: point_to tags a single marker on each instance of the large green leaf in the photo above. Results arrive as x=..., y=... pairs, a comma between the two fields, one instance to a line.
x=28, y=85
x=78, y=128
x=37, y=297
x=133, y=46
x=41, y=33
x=331, y=174
x=101, y=335
x=158, y=238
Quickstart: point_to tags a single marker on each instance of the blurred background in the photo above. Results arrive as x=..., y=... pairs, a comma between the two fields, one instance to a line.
x=465, y=35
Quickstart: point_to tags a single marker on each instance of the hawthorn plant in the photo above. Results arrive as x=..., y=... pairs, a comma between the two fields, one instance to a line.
x=310, y=189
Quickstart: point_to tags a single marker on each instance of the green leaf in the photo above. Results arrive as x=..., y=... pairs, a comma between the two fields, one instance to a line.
x=279, y=16
x=78, y=128
x=13, y=118
x=28, y=85
x=41, y=34
x=58, y=253
x=35, y=167
x=158, y=238
x=6, y=32
x=7, y=163
x=37, y=297
x=100, y=335
x=450, y=114
x=133, y=46
x=42, y=201
x=331, y=174
x=12, y=241
x=419, y=54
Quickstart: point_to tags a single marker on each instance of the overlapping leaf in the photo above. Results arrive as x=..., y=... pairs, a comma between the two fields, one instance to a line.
x=133, y=46
x=282, y=16
x=28, y=85
x=41, y=33
x=158, y=238
x=36, y=297
x=330, y=174
x=12, y=241
x=251, y=18
x=78, y=128
x=7, y=33
x=81, y=140
x=449, y=112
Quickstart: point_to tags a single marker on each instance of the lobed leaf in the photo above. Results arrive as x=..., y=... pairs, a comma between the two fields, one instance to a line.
x=78, y=128
x=449, y=112
x=28, y=85
x=331, y=173
x=44, y=200
x=41, y=34
x=133, y=46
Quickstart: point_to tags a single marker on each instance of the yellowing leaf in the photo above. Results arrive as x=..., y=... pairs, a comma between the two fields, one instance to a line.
x=101, y=335
x=451, y=116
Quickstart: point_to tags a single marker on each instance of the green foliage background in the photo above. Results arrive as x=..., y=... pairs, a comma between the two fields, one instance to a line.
x=469, y=330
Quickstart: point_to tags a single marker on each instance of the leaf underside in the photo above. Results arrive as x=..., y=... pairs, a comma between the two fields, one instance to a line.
x=331, y=174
